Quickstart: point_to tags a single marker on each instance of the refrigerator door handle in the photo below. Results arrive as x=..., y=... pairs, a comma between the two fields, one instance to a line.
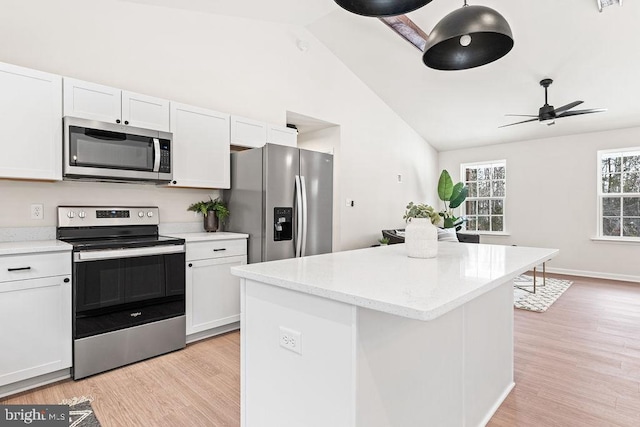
x=303, y=184
x=298, y=235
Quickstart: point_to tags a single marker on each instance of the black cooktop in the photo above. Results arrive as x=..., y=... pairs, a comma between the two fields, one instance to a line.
x=117, y=237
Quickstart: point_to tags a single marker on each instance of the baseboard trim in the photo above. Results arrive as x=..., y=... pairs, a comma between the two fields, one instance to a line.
x=496, y=405
x=212, y=332
x=594, y=274
x=31, y=383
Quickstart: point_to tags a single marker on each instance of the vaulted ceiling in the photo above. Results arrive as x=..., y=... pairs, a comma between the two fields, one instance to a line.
x=591, y=56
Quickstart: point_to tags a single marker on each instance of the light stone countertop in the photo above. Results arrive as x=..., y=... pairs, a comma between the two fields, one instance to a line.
x=33, y=246
x=205, y=237
x=385, y=279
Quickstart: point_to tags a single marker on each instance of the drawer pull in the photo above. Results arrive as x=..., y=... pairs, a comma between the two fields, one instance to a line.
x=219, y=250
x=19, y=269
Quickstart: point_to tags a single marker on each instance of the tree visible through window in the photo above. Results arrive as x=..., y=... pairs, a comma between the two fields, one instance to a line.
x=619, y=193
x=484, y=207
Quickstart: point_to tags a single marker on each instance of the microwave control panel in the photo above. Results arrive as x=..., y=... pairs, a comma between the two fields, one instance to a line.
x=165, y=156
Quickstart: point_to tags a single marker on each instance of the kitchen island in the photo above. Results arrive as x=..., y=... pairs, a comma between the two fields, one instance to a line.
x=371, y=337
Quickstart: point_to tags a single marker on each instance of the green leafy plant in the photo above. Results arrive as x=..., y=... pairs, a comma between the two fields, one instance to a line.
x=212, y=205
x=453, y=195
x=421, y=211
x=384, y=241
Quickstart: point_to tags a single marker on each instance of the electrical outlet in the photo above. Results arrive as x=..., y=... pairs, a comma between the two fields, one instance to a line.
x=37, y=211
x=291, y=340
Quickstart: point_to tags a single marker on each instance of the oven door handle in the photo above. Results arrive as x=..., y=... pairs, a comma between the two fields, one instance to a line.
x=126, y=253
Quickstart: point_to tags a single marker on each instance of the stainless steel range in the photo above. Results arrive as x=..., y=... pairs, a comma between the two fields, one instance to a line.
x=128, y=286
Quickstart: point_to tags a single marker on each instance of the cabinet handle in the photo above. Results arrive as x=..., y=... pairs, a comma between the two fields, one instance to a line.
x=66, y=280
x=126, y=122
x=175, y=182
x=190, y=265
x=19, y=269
x=118, y=121
x=219, y=250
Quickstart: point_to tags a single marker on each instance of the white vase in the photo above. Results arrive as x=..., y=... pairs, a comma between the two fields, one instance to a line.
x=421, y=238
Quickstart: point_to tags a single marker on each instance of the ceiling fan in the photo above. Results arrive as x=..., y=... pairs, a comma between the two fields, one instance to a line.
x=547, y=114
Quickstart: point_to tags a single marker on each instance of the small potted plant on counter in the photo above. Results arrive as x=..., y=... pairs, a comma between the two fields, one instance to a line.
x=214, y=211
x=384, y=241
x=421, y=236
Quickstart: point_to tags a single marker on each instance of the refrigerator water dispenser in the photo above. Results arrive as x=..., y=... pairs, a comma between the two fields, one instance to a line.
x=282, y=221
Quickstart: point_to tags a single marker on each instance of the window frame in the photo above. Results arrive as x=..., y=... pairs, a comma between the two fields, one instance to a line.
x=600, y=194
x=463, y=176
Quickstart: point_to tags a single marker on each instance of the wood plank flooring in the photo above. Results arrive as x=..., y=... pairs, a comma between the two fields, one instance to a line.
x=578, y=364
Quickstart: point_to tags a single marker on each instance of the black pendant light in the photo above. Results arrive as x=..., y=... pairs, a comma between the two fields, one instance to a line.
x=466, y=38
x=381, y=7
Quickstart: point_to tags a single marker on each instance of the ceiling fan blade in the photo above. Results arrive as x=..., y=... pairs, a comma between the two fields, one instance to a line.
x=579, y=112
x=521, y=115
x=567, y=107
x=526, y=121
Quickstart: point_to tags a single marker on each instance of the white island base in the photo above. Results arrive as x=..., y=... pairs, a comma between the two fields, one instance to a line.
x=309, y=360
x=361, y=367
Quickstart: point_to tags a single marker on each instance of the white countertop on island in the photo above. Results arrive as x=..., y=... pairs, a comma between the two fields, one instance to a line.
x=33, y=246
x=387, y=280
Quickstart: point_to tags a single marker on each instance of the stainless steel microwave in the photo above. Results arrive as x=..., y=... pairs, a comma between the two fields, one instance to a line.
x=101, y=151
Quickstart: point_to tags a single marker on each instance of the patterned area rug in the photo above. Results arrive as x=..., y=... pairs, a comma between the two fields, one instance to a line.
x=80, y=412
x=544, y=296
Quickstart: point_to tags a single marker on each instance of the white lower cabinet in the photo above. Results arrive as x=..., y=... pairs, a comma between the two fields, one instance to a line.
x=212, y=292
x=35, y=315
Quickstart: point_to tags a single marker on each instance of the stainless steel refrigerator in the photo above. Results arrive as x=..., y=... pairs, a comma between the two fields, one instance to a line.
x=283, y=198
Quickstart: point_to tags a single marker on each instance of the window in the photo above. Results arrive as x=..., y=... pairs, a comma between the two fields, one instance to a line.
x=484, y=206
x=619, y=193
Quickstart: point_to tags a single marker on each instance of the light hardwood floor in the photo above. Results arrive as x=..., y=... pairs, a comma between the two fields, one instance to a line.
x=578, y=364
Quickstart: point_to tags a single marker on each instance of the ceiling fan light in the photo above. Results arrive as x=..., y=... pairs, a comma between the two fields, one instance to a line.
x=381, y=7
x=606, y=3
x=490, y=32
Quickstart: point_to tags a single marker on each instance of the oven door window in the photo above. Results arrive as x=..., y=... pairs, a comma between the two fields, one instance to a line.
x=98, y=284
x=111, y=282
x=144, y=278
x=110, y=150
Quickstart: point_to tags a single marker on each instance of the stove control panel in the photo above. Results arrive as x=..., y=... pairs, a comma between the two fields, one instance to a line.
x=96, y=216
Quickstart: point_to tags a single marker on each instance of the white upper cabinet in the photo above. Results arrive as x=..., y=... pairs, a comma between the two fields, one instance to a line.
x=247, y=132
x=145, y=111
x=92, y=101
x=107, y=104
x=31, y=111
x=282, y=135
x=201, y=153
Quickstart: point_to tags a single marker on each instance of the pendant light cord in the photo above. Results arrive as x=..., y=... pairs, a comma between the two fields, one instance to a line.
x=465, y=3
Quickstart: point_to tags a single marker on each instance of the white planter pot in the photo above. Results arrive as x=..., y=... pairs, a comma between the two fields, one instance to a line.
x=421, y=238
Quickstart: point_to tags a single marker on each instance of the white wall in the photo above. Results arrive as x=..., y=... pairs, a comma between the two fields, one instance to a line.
x=240, y=66
x=551, y=199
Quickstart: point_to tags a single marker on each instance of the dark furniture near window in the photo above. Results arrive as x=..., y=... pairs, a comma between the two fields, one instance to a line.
x=394, y=237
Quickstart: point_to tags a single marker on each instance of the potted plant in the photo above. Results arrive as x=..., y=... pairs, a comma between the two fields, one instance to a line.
x=421, y=211
x=384, y=241
x=214, y=211
x=421, y=236
x=452, y=195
